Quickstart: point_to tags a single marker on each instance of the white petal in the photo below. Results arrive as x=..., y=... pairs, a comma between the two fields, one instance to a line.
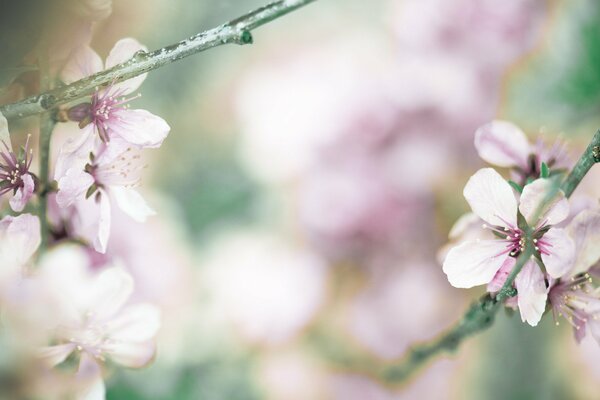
x=122, y=51
x=491, y=198
x=562, y=252
x=585, y=231
x=4, y=135
x=474, y=263
x=103, y=223
x=89, y=378
x=544, y=192
x=503, y=144
x=72, y=186
x=500, y=278
x=140, y=128
x=83, y=62
x=21, y=234
x=132, y=203
x=464, y=224
x=111, y=289
x=131, y=354
x=137, y=323
x=23, y=195
x=54, y=355
x=533, y=293
x=75, y=152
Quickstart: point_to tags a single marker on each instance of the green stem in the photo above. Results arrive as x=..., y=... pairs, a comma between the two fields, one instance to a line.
x=587, y=160
x=478, y=317
x=236, y=31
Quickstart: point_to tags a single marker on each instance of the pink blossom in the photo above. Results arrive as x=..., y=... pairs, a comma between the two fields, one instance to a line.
x=19, y=240
x=111, y=174
x=15, y=176
x=504, y=144
x=477, y=262
x=92, y=318
x=573, y=297
x=108, y=116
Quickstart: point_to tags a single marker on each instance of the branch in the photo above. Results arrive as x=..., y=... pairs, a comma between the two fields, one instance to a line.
x=481, y=314
x=587, y=160
x=478, y=317
x=237, y=31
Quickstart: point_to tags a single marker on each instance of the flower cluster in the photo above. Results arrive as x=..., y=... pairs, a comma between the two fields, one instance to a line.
x=71, y=305
x=532, y=219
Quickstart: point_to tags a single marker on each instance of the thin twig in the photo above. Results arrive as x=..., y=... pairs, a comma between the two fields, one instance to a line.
x=237, y=31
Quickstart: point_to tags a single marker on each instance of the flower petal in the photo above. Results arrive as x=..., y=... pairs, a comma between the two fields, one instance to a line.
x=122, y=51
x=132, y=203
x=83, y=62
x=131, y=354
x=140, y=128
x=90, y=385
x=532, y=293
x=72, y=186
x=496, y=284
x=492, y=198
x=103, y=224
x=4, y=135
x=23, y=194
x=474, y=263
x=544, y=192
x=110, y=290
x=585, y=231
x=503, y=144
x=22, y=235
x=54, y=355
x=137, y=323
x=562, y=252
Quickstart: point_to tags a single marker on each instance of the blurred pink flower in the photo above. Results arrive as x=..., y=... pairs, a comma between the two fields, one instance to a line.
x=266, y=288
x=108, y=115
x=401, y=304
x=92, y=318
x=19, y=240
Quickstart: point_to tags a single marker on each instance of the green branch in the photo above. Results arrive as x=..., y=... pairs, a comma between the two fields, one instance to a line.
x=587, y=160
x=237, y=31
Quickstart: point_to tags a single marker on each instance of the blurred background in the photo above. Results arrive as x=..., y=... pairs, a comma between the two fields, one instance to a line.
x=310, y=179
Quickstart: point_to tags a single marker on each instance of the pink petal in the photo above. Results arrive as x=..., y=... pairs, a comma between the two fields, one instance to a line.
x=496, y=284
x=103, y=223
x=22, y=235
x=131, y=203
x=585, y=231
x=491, y=198
x=140, y=128
x=4, y=135
x=122, y=51
x=474, y=263
x=533, y=293
x=54, y=355
x=73, y=186
x=89, y=378
x=110, y=290
x=23, y=195
x=137, y=323
x=503, y=144
x=131, y=354
x=83, y=62
x=555, y=205
x=562, y=252
x=75, y=153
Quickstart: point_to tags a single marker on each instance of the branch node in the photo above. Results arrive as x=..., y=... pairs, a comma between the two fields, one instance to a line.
x=596, y=153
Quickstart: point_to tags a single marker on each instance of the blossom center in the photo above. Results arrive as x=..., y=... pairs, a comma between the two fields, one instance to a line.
x=14, y=168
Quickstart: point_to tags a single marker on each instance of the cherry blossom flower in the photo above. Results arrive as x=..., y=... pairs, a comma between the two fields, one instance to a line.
x=108, y=115
x=573, y=297
x=504, y=144
x=15, y=176
x=19, y=240
x=111, y=174
x=93, y=322
x=479, y=261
